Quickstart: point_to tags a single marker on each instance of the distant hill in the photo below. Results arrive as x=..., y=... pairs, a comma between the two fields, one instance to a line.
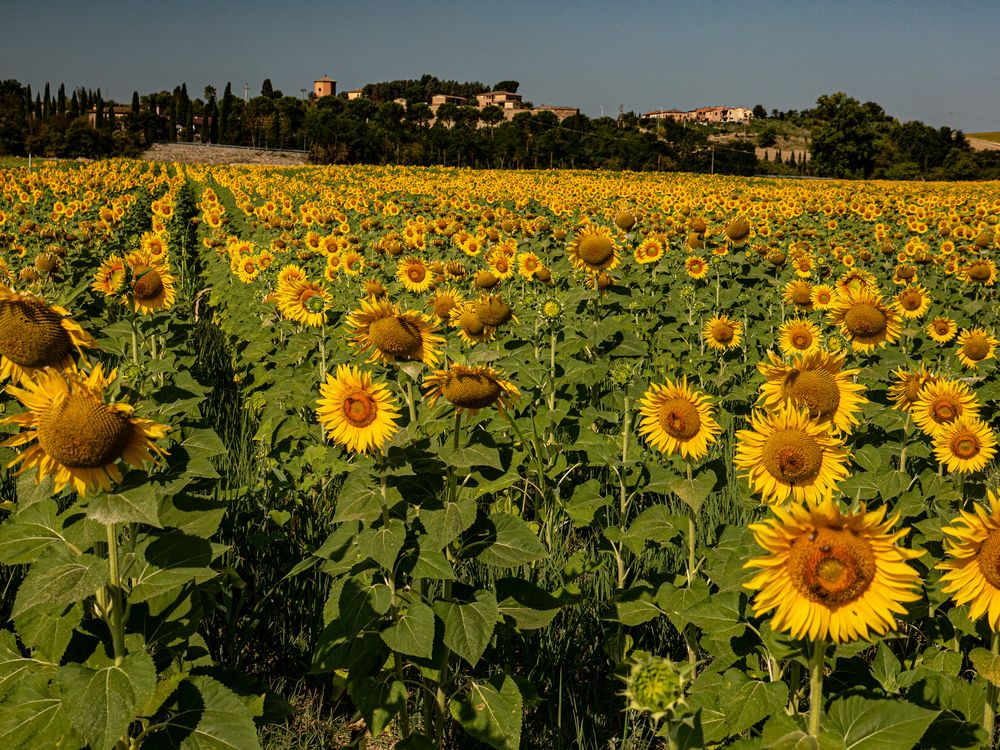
x=984, y=141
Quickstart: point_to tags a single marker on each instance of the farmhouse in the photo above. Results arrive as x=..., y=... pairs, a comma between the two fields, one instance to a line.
x=561, y=112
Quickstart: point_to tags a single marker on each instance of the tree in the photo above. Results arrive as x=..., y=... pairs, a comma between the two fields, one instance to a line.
x=135, y=102
x=759, y=112
x=225, y=109
x=843, y=139
x=14, y=105
x=47, y=102
x=510, y=86
x=61, y=100
x=213, y=128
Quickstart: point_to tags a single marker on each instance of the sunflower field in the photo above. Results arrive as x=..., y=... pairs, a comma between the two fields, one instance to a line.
x=496, y=459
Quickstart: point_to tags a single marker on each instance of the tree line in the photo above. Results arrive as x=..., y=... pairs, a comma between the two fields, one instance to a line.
x=393, y=123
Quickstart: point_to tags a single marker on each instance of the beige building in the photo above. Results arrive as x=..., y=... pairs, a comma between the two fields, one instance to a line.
x=354, y=94
x=503, y=99
x=324, y=86
x=561, y=112
x=702, y=114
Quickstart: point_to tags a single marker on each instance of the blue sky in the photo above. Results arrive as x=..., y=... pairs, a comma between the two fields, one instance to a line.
x=933, y=61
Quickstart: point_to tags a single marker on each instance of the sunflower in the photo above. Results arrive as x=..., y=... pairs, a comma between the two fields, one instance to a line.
x=696, y=267
x=373, y=288
x=414, y=275
x=152, y=284
x=722, y=333
x=443, y=302
x=394, y=336
x=965, y=445
x=154, y=245
x=471, y=329
x=905, y=391
x=247, y=269
x=500, y=264
x=974, y=346
x=677, y=419
x=789, y=454
x=855, y=280
x=817, y=382
x=470, y=388
x=865, y=320
x=941, y=402
x=110, y=277
x=355, y=412
x=942, y=329
x=493, y=310
x=972, y=572
x=352, y=263
x=75, y=436
x=593, y=249
x=822, y=296
x=738, y=229
x=913, y=301
x=981, y=271
x=831, y=575
x=649, y=250
x=527, y=265
x=34, y=335
x=799, y=336
x=798, y=293
x=305, y=302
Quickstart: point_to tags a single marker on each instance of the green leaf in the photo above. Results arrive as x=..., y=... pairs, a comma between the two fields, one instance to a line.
x=383, y=544
x=469, y=625
x=359, y=499
x=433, y=564
x=27, y=533
x=32, y=716
x=60, y=579
x=30, y=492
x=138, y=505
x=656, y=525
x=529, y=606
x=886, y=668
x=866, y=724
x=447, y=524
x=509, y=542
x=634, y=605
x=168, y=562
x=987, y=664
x=13, y=667
x=586, y=501
x=752, y=703
x=362, y=602
x=47, y=630
x=378, y=702
x=471, y=456
x=203, y=714
x=892, y=483
x=101, y=703
x=694, y=492
x=413, y=632
x=868, y=458
x=491, y=712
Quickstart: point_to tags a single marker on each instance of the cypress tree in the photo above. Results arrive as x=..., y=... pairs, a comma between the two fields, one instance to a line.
x=74, y=106
x=275, y=135
x=38, y=106
x=99, y=111
x=225, y=111
x=46, y=102
x=213, y=130
x=189, y=125
x=135, y=102
x=111, y=116
x=61, y=99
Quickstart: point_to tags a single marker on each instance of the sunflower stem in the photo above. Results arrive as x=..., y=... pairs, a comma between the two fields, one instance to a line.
x=117, y=625
x=990, y=709
x=410, y=403
x=397, y=660
x=552, y=369
x=817, y=661
x=452, y=474
x=625, y=436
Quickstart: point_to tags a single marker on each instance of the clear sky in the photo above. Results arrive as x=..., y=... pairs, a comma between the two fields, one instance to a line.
x=931, y=60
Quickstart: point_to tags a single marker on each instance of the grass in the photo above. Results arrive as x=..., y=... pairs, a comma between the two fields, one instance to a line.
x=994, y=136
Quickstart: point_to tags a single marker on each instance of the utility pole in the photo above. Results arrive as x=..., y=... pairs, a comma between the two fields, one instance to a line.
x=713, y=159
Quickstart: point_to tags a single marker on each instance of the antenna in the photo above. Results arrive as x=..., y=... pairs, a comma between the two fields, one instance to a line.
x=246, y=92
